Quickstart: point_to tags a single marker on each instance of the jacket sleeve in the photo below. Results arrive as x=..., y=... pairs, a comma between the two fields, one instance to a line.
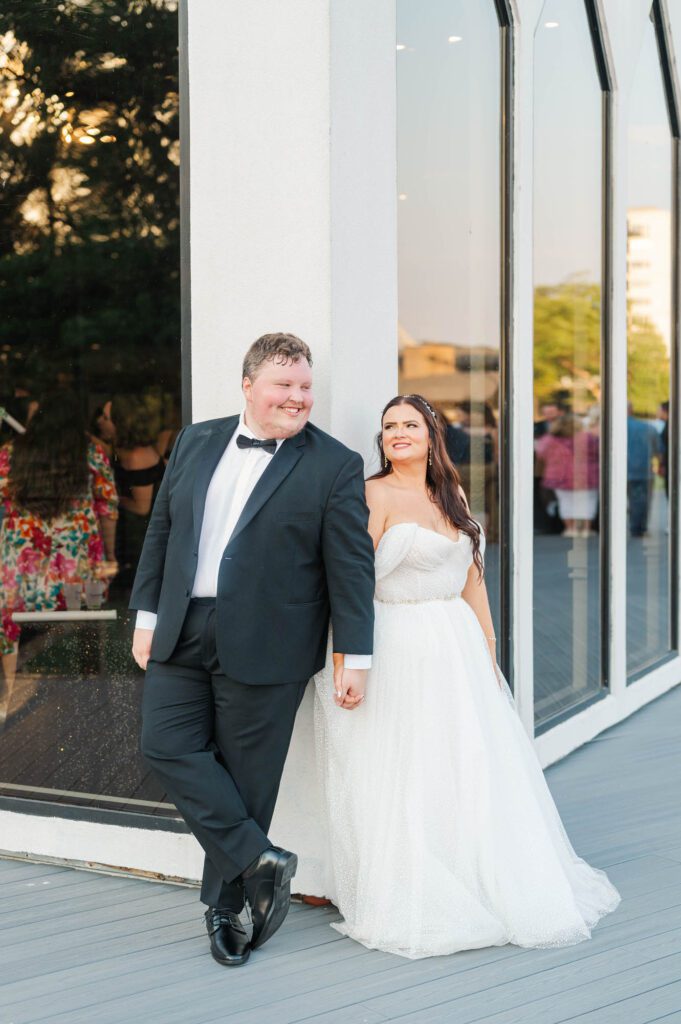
x=348, y=555
x=149, y=576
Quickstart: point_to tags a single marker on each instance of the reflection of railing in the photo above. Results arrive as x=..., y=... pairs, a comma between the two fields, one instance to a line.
x=10, y=421
x=65, y=616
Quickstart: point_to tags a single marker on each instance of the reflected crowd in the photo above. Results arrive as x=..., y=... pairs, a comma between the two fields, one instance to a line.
x=567, y=469
x=75, y=502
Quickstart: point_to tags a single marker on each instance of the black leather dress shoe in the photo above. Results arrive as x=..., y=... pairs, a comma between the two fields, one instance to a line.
x=228, y=939
x=268, y=887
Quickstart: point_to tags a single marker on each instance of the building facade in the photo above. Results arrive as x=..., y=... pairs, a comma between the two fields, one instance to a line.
x=478, y=202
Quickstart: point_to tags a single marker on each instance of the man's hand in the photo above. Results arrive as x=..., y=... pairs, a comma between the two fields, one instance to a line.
x=348, y=684
x=141, y=646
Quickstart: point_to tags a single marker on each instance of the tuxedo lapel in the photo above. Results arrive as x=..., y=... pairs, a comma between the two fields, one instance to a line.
x=208, y=457
x=282, y=463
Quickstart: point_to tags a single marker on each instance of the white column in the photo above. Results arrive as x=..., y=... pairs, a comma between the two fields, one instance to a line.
x=293, y=228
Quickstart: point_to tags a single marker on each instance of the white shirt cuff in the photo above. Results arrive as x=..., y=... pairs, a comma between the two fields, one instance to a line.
x=357, y=661
x=146, y=620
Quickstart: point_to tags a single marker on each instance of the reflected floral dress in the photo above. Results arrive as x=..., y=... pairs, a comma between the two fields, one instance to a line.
x=37, y=556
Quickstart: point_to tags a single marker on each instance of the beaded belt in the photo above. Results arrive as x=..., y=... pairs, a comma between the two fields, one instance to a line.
x=418, y=600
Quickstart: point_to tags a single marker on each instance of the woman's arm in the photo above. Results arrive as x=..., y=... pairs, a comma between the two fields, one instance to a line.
x=140, y=502
x=475, y=594
x=107, y=530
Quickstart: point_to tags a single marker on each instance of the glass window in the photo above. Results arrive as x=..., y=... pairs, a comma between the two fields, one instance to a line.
x=448, y=168
x=674, y=12
x=649, y=341
x=568, y=141
x=90, y=381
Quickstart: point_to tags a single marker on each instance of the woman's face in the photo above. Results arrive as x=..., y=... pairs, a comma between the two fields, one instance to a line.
x=405, y=435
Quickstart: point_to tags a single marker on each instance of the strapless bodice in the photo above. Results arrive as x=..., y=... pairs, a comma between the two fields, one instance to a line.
x=415, y=564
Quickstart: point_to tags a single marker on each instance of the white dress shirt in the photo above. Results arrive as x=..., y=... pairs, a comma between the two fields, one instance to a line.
x=231, y=485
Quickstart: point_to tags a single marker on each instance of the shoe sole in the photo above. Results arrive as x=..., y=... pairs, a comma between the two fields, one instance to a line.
x=281, y=901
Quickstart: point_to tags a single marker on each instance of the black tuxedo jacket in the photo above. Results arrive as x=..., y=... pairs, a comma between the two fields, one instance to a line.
x=299, y=553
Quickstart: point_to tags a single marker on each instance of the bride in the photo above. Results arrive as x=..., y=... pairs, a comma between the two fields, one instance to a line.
x=443, y=834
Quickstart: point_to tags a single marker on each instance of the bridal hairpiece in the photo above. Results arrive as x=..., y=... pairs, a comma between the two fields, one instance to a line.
x=422, y=399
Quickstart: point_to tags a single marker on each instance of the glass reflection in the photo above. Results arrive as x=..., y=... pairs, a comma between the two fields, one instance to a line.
x=448, y=160
x=649, y=339
x=567, y=359
x=89, y=358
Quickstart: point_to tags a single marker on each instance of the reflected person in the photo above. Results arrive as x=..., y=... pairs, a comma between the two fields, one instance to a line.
x=643, y=444
x=60, y=510
x=138, y=469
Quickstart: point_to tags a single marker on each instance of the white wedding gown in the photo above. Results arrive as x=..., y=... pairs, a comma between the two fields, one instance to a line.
x=442, y=832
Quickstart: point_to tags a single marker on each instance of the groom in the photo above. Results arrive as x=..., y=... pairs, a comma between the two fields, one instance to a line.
x=258, y=536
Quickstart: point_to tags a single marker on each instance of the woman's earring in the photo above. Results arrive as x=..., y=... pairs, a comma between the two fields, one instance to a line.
x=430, y=456
x=385, y=459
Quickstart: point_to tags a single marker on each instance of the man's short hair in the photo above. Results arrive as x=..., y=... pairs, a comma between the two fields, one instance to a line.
x=278, y=347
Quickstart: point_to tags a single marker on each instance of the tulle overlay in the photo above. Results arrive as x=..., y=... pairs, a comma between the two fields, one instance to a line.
x=442, y=832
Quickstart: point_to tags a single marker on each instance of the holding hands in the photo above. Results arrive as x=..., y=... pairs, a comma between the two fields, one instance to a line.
x=348, y=684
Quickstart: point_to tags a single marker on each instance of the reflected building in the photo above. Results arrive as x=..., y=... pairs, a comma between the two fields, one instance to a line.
x=649, y=269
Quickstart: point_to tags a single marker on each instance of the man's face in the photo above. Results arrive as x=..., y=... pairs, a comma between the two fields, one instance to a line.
x=279, y=398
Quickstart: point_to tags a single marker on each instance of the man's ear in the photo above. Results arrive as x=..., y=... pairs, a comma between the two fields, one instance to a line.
x=247, y=387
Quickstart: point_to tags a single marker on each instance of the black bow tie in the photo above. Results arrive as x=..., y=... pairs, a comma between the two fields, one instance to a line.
x=270, y=445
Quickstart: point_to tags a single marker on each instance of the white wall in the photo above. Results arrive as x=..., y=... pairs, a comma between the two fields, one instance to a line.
x=293, y=228
x=292, y=198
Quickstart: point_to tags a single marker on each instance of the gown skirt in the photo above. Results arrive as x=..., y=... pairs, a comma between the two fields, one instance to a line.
x=442, y=832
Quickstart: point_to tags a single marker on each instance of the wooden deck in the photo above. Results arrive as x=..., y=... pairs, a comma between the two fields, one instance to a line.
x=78, y=947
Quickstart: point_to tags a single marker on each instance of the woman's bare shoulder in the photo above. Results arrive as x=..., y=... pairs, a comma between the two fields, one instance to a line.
x=377, y=489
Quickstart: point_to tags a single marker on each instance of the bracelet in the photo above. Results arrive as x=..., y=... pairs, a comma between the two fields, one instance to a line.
x=491, y=638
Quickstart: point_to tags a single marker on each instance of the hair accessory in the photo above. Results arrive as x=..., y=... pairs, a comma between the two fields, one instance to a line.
x=427, y=405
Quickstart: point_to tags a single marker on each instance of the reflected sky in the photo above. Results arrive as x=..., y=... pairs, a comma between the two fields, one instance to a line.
x=448, y=171
x=457, y=83
x=567, y=149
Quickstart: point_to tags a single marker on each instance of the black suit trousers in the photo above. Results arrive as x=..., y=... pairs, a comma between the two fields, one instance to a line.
x=218, y=746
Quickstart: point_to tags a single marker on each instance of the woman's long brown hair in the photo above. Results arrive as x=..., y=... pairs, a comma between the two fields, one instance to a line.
x=442, y=477
x=49, y=468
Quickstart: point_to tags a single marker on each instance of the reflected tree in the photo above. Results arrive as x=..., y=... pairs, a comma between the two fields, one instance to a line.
x=567, y=324
x=89, y=198
x=567, y=342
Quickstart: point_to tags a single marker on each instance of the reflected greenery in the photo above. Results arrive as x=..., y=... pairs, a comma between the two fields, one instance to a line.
x=571, y=310
x=567, y=342
x=90, y=290
x=89, y=217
